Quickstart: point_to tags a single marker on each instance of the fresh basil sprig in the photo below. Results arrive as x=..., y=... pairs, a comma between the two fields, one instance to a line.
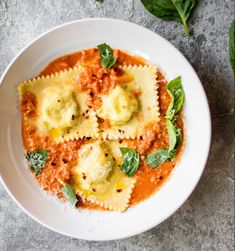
x=106, y=55
x=130, y=162
x=176, y=91
x=178, y=10
x=160, y=156
x=69, y=193
x=174, y=133
x=37, y=160
x=232, y=45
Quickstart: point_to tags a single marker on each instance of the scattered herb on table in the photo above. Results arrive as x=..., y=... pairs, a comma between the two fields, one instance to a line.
x=69, y=193
x=232, y=45
x=106, y=55
x=178, y=10
x=175, y=89
x=37, y=160
x=130, y=162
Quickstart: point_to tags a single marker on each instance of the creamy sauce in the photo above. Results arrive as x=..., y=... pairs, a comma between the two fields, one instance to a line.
x=97, y=80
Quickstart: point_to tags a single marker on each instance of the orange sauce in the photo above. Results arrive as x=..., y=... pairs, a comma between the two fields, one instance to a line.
x=96, y=80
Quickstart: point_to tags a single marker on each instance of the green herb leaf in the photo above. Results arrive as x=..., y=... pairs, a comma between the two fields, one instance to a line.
x=232, y=45
x=178, y=136
x=178, y=10
x=171, y=134
x=100, y=1
x=176, y=91
x=160, y=156
x=106, y=55
x=130, y=162
x=37, y=160
x=69, y=194
x=174, y=133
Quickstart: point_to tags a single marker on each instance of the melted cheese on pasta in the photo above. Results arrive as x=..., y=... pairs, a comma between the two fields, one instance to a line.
x=97, y=176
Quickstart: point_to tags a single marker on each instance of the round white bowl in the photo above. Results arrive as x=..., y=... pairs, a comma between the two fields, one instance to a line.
x=102, y=225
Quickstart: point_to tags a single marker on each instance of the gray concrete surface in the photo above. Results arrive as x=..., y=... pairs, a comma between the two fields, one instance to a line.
x=205, y=221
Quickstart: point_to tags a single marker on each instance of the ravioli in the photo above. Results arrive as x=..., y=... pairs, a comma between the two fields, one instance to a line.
x=132, y=106
x=97, y=176
x=62, y=112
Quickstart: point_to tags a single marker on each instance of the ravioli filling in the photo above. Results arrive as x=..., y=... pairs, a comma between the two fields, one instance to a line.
x=94, y=165
x=118, y=106
x=59, y=109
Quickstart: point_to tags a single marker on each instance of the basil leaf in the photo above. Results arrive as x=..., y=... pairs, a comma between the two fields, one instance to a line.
x=160, y=156
x=174, y=133
x=171, y=134
x=106, y=55
x=69, y=193
x=176, y=91
x=232, y=45
x=130, y=162
x=178, y=10
x=178, y=136
x=37, y=160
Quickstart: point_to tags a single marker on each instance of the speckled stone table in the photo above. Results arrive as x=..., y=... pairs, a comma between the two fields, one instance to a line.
x=205, y=221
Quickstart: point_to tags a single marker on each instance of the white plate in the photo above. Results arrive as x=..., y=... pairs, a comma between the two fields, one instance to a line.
x=95, y=225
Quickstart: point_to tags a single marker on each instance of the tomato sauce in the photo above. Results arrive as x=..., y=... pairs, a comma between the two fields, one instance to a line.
x=97, y=80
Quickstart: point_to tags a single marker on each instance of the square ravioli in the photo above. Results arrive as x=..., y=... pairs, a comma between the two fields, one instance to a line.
x=60, y=110
x=132, y=106
x=97, y=176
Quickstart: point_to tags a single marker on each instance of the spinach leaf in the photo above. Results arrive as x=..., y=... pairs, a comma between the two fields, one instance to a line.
x=106, y=55
x=130, y=162
x=178, y=10
x=160, y=156
x=69, y=193
x=174, y=133
x=232, y=45
x=37, y=160
x=176, y=91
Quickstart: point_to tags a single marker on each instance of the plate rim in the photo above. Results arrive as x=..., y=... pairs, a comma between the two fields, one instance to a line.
x=154, y=224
